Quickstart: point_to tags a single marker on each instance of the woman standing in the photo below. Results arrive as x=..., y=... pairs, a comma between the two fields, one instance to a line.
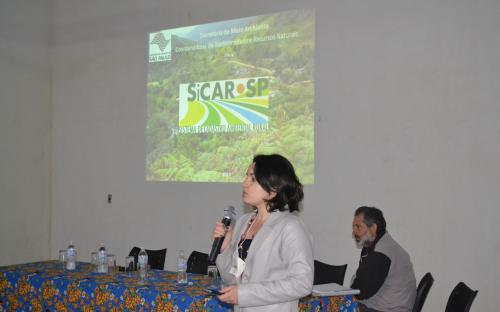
x=267, y=259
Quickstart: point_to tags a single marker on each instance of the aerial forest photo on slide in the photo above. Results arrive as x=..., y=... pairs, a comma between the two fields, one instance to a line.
x=222, y=92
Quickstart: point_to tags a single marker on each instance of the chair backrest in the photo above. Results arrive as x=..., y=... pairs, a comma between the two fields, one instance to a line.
x=422, y=290
x=197, y=262
x=461, y=298
x=156, y=258
x=327, y=273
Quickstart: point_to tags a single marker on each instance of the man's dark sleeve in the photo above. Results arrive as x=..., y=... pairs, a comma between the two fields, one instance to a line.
x=371, y=274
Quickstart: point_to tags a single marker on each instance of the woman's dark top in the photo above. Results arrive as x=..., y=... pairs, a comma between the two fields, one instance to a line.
x=243, y=249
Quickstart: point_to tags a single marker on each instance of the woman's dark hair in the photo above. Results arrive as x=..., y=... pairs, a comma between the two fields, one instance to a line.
x=275, y=173
x=371, y=216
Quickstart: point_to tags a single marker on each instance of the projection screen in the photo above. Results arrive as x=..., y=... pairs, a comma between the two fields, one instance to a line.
x=222, y=92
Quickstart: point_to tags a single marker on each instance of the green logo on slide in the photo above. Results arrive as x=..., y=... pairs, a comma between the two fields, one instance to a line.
x=160, y=47
x=224, y=105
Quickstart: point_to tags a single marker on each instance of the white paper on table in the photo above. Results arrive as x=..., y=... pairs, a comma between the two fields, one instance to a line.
x=333, y=289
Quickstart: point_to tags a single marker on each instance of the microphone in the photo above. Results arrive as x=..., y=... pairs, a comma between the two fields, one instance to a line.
x=216, y=245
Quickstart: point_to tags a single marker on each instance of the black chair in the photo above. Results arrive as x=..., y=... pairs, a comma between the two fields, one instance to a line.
x=156, y=258
x=422, y=290
x=197, y=262
x=327, y=273
x=461, y=298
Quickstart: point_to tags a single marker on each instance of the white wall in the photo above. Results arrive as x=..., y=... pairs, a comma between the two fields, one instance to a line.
x=407, y=109
x=25, y=131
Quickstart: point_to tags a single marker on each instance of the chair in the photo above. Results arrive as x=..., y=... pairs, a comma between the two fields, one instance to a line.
x=327, y=273
x=156, y=258
x=422, y=290
x=461, y=298
x=197, y=262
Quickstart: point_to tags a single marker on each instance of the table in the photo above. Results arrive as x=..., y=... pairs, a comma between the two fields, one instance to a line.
x=47, y=286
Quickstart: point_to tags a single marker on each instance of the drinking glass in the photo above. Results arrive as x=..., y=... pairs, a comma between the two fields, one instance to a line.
x=111, y=264
x=129, y=264
x=213, y=277
x=93, y=260
x=62, y=257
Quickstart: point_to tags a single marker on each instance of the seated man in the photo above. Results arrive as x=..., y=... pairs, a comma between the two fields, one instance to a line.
x=385, y=274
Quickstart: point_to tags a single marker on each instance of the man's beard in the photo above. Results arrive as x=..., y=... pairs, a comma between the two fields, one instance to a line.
x=365, y=240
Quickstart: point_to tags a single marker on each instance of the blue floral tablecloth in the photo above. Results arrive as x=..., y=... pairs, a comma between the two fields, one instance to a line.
x=42, y=286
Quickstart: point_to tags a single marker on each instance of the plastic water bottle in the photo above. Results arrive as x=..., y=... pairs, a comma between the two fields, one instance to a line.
x=142, y=263
x=102, y=260
x=71, y=257
x=181, y=268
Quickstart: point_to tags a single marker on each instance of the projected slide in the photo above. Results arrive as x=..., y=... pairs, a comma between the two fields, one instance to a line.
x=222, y=92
